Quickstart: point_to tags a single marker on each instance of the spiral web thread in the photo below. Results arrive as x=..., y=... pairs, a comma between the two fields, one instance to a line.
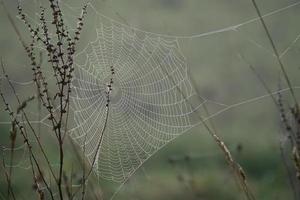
x=146, y=109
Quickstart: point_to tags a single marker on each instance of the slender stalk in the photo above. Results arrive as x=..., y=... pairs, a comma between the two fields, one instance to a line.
x=8, y=180
x=281, y=111
x=26, y=141
x=238, y=170
x=27, y=120
x=282, y=67
x=101, y=137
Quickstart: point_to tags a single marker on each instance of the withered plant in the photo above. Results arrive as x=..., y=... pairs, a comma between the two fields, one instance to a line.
x=59, y=44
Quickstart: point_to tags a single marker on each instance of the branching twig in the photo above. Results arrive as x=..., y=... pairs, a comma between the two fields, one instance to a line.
x=60, y=48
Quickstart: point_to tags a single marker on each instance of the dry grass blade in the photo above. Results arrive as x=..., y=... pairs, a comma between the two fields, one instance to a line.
x=237, y=169
x=281, y=110
x=24, y=134
x=282, y=67
x=10, y=190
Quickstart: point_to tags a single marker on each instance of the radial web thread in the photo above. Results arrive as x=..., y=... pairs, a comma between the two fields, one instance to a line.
x=146, y=109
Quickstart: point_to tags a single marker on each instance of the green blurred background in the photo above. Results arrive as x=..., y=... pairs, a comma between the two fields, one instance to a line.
x=192, y=166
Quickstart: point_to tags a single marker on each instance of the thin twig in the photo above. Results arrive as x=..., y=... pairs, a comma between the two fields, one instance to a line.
x=27, y=119
x=26, y=141
x=108, y=92
x=8, y=179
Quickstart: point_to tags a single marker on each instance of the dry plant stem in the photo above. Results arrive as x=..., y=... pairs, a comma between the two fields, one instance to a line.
x=27, y=49
x=284, y=119
x=62, y=62
x=236, y=175
x=36, y=72
x=81, y=159
x=13, y=132
x=286, y=77
x=26, y=141
x=287, y=125
x=39, y=106
x=39, y=190
x=261, y=80
x=20, y=108
x=61, y=155
x=239, y=172
x=62, y=71
x=65, y=77
x=279, y=106
x=35, y=180
x=27, y=120
x=292, y=134
x=51, y=52
x=278, y=103
x=85, y=177
x=8, y=180
x=13, y=24
x=59, y=134
x=289, y=172
x=101, y=138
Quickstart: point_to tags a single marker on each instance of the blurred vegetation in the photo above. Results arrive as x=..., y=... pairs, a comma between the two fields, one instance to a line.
x=192, y=167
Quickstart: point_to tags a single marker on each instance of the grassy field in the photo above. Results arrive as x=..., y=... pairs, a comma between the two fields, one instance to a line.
x=192, y=166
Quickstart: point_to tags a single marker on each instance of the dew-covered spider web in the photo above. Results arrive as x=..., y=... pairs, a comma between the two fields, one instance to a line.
x=152, y=99
x=146, y=108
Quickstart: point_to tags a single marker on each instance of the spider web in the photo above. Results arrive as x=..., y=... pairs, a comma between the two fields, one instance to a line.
x=146, y=110
x=152, y=99
x=151, y=95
